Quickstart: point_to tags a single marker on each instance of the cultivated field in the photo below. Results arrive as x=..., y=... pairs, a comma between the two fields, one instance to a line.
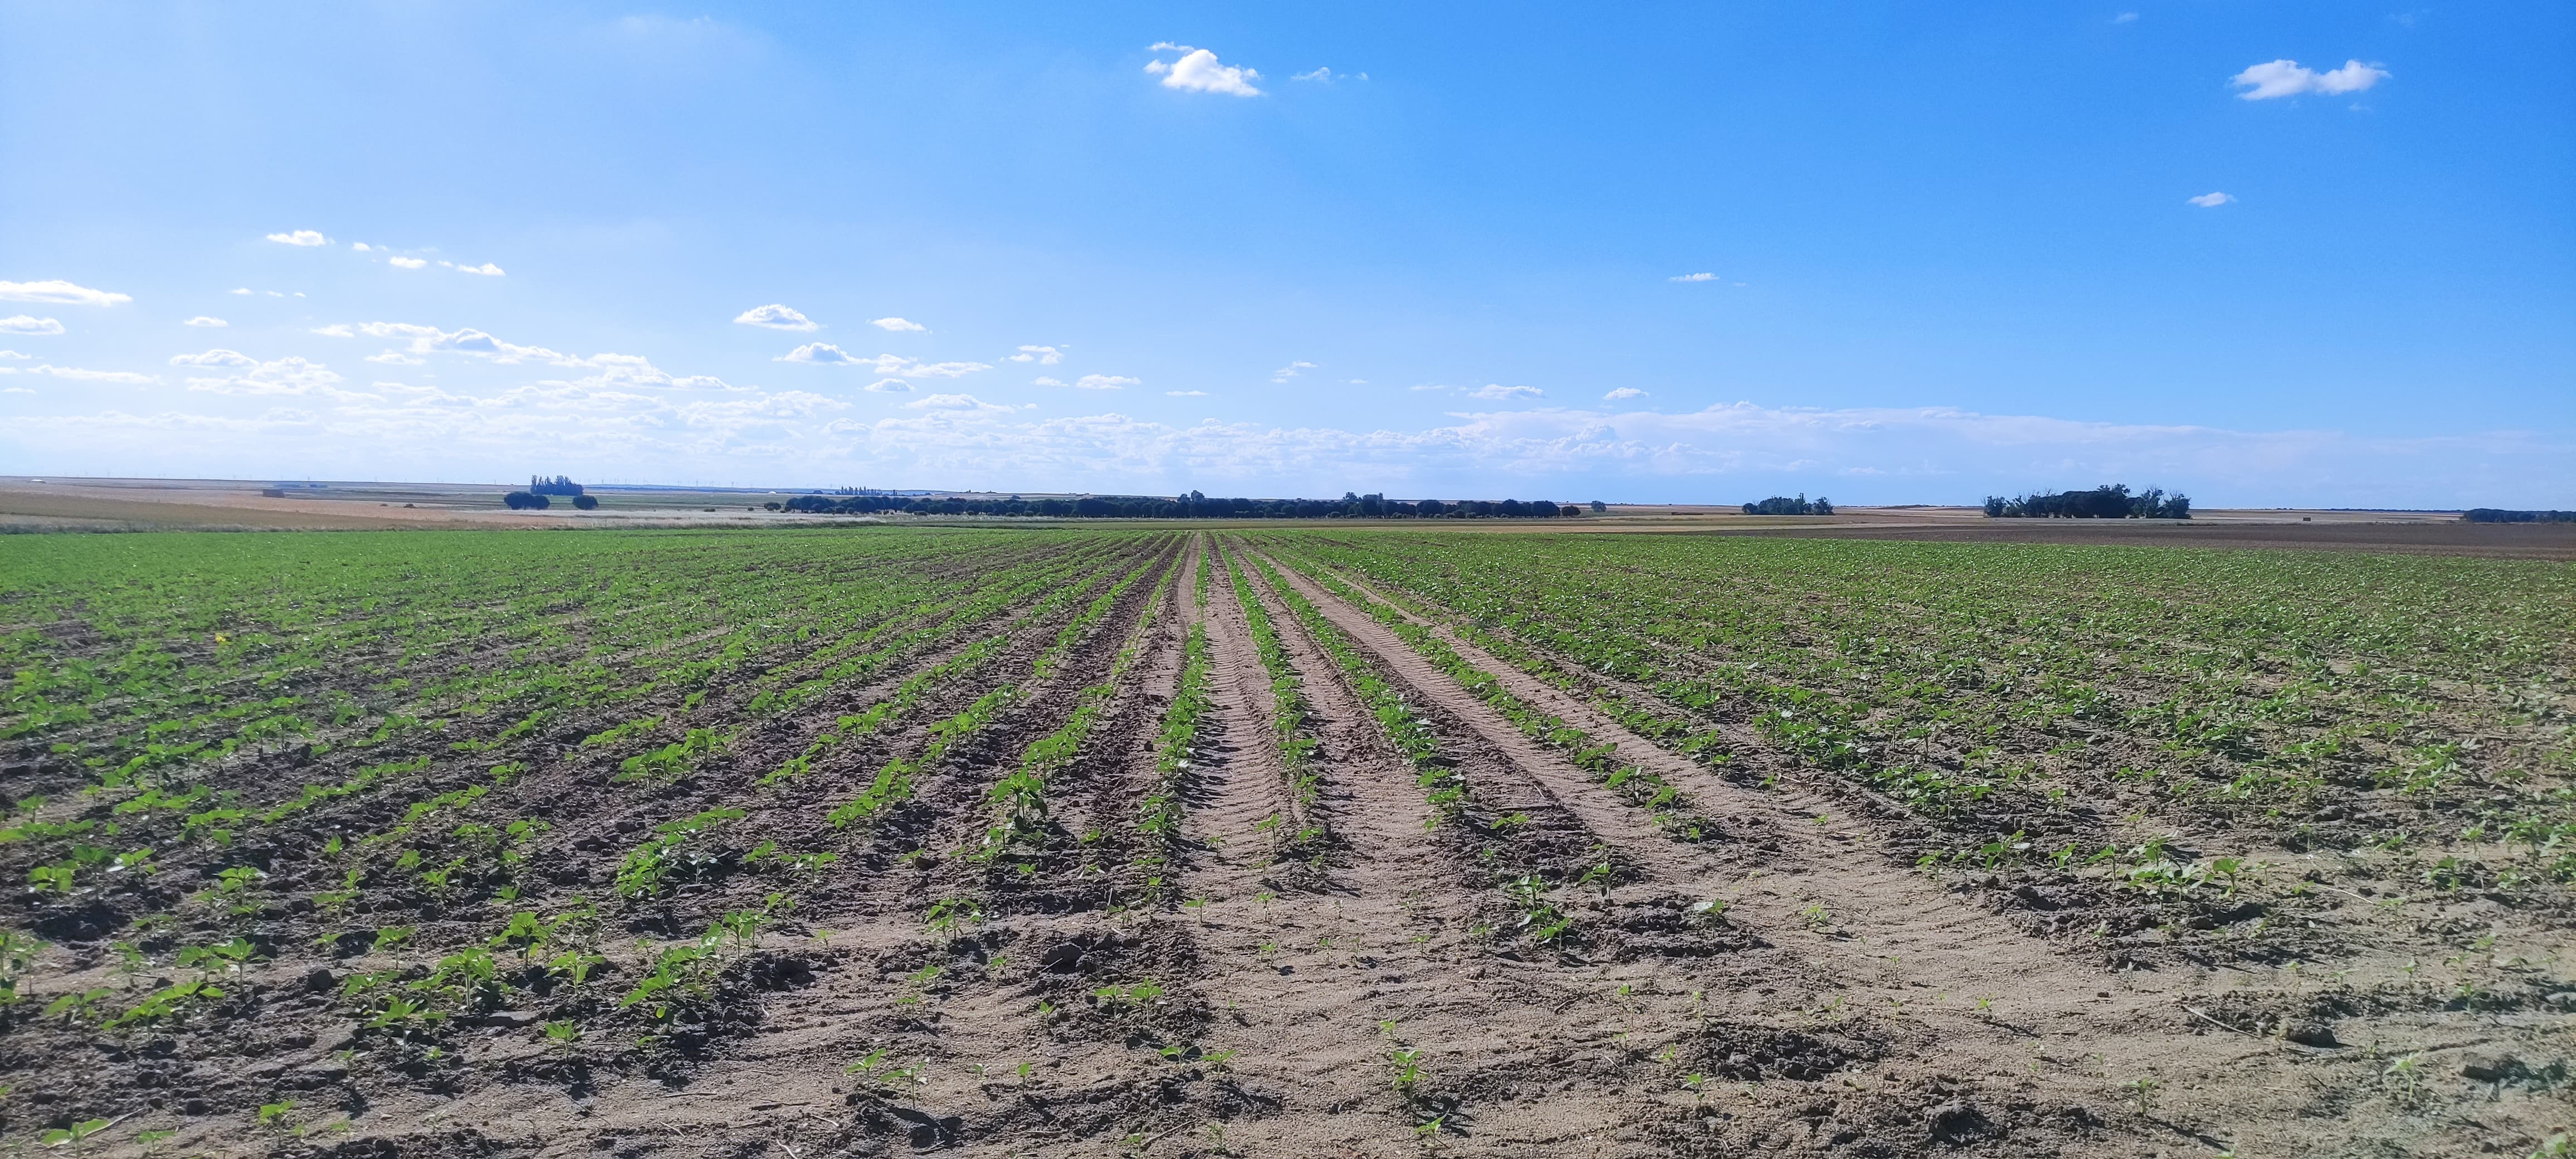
x=1282, y=843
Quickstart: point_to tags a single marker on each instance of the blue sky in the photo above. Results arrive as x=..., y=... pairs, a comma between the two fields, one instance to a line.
x=1952, y=249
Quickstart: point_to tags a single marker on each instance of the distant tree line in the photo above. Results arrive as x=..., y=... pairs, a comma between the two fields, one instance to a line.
x=537, y=501
x=559, y=485
x=2496, y=515
x=2108, y=501
x=1191, y=506
x=1783, y=505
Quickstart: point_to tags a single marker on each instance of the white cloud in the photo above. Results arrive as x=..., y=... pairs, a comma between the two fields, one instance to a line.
x=898, y=325
x=301, y=237
x=1699, y=277
x=1105, y=382
x=1327, y=76
x=2211, y=200
x=205, y=322
x=244, y=291
x=408, y=263
x=395, y=358
x=890, y=386
x=336, y=330
x=1043, y=380
x=487, y=269
x=1625, y=392
x=775, y=317
x=360, y=246
x=1186, y=393
x=15, y=390
x=1289, y=371
x=1042, y=355
x=22, y=324
x=59, y=293
x=2125, y=18
x=823, y=353
x=218, y=357
x=1498, y=391
x=1429, y=386
x=1198, y=71
x=285, y=376
x=431, y=339
x=2284, y=78
x=14, y=354
x=75, y=372
x=890, y=365
x=964, y=403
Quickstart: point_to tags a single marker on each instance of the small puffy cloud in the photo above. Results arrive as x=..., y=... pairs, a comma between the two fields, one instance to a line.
x=1043, y=380
x=15, y=390
x=301, y=238
x=890, y=386
x=2210, y=200
x=23, y=324
x=897, y=325
x=408, y=263
x=74, y=372
x=2284, y=78
x=1428, y=386
x=1042, y=355
x=821, y=353
x=1625, y=392
x=2125, y=18
x=774, y=317
x=1105, y=382
x=1327, y=76
x=1500, y=392
x=1289, y=371
x=202, y=320
x=395, y=358
x=1198, y=71
x=965, y=403
x=216, y=357
x=1186, y=393
x=13, y=354
x=361, y=247
x=1699, y=277
x=244, y=291
x=336, y=330
x=487, y=269
x=60, y=293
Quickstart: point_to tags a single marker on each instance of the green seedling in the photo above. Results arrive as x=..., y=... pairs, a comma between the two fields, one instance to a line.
x=1408, y=1069
x=72, y=1136
x=82, y=1004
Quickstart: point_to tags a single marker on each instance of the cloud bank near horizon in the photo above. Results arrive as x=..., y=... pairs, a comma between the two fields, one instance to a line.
x=627, y=421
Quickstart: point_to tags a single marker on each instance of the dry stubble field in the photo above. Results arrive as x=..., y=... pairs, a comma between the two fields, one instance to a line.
x=1280, y=843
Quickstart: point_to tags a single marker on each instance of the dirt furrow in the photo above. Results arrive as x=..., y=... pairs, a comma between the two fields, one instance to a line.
x=1998, y=1003
x=1331, y=986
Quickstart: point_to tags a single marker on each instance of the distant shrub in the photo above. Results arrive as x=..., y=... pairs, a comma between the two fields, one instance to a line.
x=586, y=502
x=1783, y=505
x=526, y=501
x=2496, y=515
x=2108, y=501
